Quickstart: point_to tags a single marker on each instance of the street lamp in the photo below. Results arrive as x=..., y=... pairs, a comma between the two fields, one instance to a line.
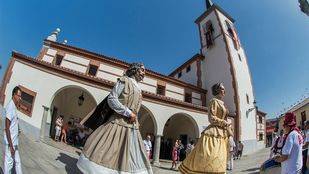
x=81, y=99
x=251, y=109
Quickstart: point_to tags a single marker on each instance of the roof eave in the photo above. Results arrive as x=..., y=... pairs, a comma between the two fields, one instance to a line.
x=213, y=7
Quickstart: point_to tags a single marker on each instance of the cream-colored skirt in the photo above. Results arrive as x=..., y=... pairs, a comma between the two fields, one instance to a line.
x=114, y=148
x=208, y=156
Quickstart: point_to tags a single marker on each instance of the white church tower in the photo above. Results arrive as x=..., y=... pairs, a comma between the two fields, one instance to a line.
x=225, y=61
x=222, y=59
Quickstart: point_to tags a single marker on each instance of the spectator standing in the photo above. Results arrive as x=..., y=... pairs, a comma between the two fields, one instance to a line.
x=232, y=146
x=291, y=158
x=240, y=148
x=81, y=137
x=64, y=131
x=11, y=152
x=190, y=147
x=175, y=156
x=180, y=151
x=148, y=146
x=58, y=127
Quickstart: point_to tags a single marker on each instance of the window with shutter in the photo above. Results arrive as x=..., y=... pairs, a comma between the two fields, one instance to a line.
x=188, y=69
x=261, y=136
x=208, y=32
x=179, y=74
x=27, y=101
x=188, y=97
x=92, y=70
x=260, y=119
x=233, y=34
x=58, y=59
x=161, y=90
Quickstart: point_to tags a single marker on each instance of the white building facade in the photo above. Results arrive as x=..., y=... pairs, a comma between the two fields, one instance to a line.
x=69, y=81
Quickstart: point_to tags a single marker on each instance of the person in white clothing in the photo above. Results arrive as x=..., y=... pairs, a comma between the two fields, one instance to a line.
x=148, y=146
x=11, y=152
x=291, y=157
x=232, y=147
x=58, y=127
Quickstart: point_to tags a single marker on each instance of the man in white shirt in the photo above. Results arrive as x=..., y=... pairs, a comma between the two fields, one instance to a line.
x=148, y=146
x=11, y=152
x=291, y=158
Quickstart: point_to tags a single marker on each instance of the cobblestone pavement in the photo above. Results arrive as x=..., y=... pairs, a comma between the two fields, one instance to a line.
x=38, y=157
x=248, y=164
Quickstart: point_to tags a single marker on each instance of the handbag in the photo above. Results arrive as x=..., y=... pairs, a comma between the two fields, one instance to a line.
x=98, y=116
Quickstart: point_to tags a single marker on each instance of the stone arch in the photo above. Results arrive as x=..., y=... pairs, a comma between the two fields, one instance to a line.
x=148, y=123
x=179, y=126
x=65, y=102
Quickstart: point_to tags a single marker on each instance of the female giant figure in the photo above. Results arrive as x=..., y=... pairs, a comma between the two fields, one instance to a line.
x=210, y=152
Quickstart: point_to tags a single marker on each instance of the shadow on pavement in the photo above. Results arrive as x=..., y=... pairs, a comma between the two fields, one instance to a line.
x=70, y=163
x=255, y=170
x=167, y=168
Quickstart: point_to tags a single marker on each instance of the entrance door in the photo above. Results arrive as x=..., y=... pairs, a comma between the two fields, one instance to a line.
x=53, y=121
x=184, y=141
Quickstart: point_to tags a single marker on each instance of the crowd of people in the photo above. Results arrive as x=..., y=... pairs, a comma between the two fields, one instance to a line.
x=72, y=132
x=178, y=150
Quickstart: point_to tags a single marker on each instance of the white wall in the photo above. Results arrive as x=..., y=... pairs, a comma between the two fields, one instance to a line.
x=75, y=63
x=149, y=84
x=51, y=52
x=146, y=87
x=174, y=92
x=191, y=76
x=48, y=58
x=111, y=69
x=215, y=66
x=163, y=112
x=248, y=132
x=112, y=73
x=47, y=85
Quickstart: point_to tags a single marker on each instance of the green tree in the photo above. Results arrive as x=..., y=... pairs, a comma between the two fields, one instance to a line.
x=304, y=6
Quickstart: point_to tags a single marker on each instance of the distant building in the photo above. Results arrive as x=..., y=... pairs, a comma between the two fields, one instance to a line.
x=261, y=126
x=301, y=110
x=271, y=130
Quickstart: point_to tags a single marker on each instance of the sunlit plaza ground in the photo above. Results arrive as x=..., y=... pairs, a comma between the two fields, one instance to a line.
x=53, y=157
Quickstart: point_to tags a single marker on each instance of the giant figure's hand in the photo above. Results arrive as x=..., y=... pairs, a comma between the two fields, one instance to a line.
x=133, y=117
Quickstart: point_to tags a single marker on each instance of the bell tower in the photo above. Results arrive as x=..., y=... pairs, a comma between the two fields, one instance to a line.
x=225, y=61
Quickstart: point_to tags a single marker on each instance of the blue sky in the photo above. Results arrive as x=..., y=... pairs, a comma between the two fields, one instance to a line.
x=274, y=33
